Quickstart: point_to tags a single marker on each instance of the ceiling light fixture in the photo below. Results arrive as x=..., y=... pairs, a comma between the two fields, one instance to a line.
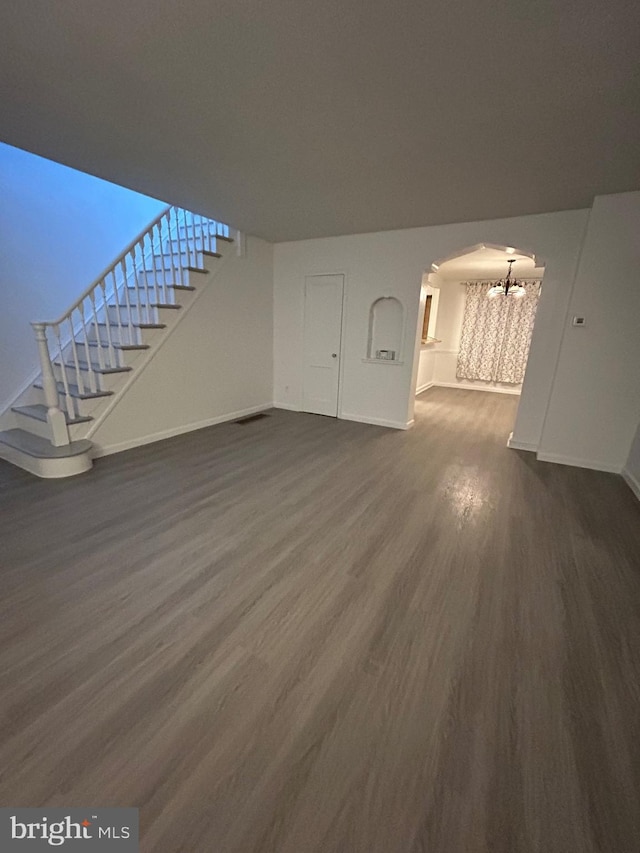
x=507, y=286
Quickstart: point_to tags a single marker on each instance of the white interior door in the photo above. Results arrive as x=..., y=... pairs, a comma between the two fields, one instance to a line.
x=322, y=330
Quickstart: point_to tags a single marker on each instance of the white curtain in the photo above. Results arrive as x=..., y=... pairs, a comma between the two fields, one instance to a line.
x=496, y=333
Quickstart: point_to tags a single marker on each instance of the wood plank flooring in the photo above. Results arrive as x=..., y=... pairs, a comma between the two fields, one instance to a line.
x=306, y=635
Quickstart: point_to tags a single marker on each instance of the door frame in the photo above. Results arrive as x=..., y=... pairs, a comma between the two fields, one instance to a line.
x=343, y=335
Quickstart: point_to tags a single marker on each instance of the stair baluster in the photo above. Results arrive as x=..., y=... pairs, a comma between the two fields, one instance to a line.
x=63, y=371
x=127, y=301
x=110, y=350
x=71, y=405
x=165, y=237
x=161, y=276
x=182, y=230
x=117, y=298
x=143, y=294
x=93, y=382
x=100, y=353
x=194, y=240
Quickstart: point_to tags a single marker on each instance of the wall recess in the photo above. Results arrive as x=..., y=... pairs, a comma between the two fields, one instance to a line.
x=386, y=326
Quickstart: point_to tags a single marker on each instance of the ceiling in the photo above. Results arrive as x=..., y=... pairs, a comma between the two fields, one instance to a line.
x=488, y=262
x=294, y=119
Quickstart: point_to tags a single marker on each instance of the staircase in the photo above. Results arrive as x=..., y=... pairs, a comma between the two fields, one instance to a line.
x=89, y=356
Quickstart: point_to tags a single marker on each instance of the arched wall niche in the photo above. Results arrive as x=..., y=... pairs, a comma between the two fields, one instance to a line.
x=386, y=327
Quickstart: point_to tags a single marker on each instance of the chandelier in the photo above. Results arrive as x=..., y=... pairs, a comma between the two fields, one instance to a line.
x=507, y=286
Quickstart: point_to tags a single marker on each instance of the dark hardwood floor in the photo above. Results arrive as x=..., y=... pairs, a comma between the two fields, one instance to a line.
x=304, y=634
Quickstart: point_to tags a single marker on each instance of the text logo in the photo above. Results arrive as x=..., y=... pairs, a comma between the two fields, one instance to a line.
x=82, y=830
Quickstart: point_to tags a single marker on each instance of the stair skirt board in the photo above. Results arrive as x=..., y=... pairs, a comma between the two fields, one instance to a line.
x=106, y=450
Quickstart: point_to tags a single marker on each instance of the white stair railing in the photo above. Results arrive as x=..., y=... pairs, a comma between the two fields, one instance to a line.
x=136, y=282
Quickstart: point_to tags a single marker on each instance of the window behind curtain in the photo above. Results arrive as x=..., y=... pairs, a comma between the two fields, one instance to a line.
x=496, y=334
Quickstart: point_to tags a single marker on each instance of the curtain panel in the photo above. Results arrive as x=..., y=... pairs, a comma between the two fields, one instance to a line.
x=496, y=333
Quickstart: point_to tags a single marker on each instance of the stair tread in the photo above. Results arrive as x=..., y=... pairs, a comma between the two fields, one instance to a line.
x=84, y=365
x=116, y=325
x=197, y=269
x=74, y=391
x=39, y=413
x=145, y=305
x=117, y=346
x=41, y=448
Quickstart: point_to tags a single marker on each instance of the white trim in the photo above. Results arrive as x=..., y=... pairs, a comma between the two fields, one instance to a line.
x=378, y=421
x=288, y=406
x=424, y=388
x=575, y=462
x=514, y=444
x=99, y=450
x=466, y=387
x=632, y=481
x=389, y=361
x=48, y=469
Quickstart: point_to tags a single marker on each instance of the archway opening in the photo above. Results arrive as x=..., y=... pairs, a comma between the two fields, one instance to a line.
x=475, y=326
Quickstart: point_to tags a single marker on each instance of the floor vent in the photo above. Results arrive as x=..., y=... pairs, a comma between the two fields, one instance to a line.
x=251, y=418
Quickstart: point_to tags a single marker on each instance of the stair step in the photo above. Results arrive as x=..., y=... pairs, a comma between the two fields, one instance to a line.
x=181, y=286
x=226, y=239
x=150, y=287
x=117, y=346
x=197, y=269
x=84, y=365
x=74, y=391
x=41, y=448
x=144, y=305
x=135, y=325
x=39, y=413
x=210, y=254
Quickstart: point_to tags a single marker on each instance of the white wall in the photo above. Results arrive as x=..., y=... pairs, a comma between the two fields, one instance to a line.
x=594, y=406
x=59, y=229
x=217, y=364
x=426, y=359
x=392, y=264
x=426, y=367
x=632, y=468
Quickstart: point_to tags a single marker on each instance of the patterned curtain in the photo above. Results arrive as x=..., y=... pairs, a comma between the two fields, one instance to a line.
x=496, y=333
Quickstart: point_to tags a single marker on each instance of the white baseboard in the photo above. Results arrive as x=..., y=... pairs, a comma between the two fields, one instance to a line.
x=100, y=450
x=422, y=388
x=467, y=387
x=576, y=462
x=377, y=421
x=631, y=481
x=288, y=406
x=514, y=444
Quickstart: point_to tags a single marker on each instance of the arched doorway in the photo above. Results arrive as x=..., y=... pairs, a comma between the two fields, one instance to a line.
x=468, y=337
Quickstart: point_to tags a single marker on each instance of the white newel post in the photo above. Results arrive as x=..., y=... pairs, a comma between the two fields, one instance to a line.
x=55, y=417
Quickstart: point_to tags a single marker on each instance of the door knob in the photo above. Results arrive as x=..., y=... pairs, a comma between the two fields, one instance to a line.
x=334, y=355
